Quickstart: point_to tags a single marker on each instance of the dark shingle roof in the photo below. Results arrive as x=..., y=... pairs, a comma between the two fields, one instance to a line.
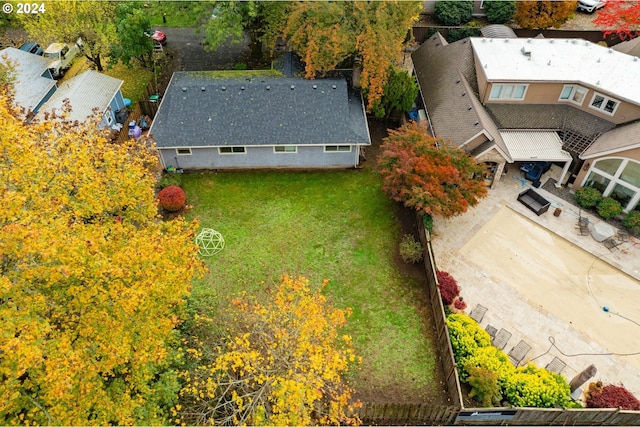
x=204, y=109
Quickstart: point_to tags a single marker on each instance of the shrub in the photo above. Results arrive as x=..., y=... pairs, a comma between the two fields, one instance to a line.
x=459, y=303
x=499, y=11
x=632, y=221
x=489, y=358
x=410, y=249
x=531, y=386
x=587, y=197
x=455, y=34
x=170, y=179
x=484, y=386
x=172, y=198
x=453, y=12
x=466, y=337
x=448, y=287
x=611, y=396
x=609, y=208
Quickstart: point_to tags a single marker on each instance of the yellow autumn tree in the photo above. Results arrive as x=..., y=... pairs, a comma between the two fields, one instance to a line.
x=328, y=33
x=533, y=14
x=281, y=363
x=91, y=282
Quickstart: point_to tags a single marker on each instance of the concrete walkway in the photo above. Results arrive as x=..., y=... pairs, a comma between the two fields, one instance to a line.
x=507, y=276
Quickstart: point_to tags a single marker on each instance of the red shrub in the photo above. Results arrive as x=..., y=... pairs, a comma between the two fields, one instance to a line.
x=448, y=287
x=172, y=198
x=459, y=303
x=611, y=396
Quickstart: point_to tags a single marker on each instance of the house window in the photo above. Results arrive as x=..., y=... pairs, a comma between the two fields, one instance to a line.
x=183, y=151
x=617, y=178
x=108, y=118
x=231, y=150
x=337, y=148
x=285, y=149
x=574, y=94
x=604, y=104
x=508, y=92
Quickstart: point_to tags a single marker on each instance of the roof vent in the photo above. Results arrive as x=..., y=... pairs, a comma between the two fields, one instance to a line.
x=293, y=87
x=184, y=89
x=464, y=93
x=550, y=40
x=476, y=123
x=268, y=87
x=506, y=40
x=574, y=41
x=242, y=87
x=525, y=51
x=334, y=86
x=315, y=86
x=610, y=50
x=635, y=58
x=223, y=88
x=457, y=81
x=528, y=40
x=549, y=63
x=598, y=60
x=484, y=40
x=469, y=108
x=202, y=88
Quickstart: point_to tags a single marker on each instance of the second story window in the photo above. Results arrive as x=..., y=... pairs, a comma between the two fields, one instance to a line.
x=508, y=92
x=573, y=93
x=604, y=103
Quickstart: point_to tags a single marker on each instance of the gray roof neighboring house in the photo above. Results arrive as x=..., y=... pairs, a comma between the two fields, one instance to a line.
x=30, y=86
x=498, y=31
x=630, y=47
x=445, y=73
x=625, y=137
x=86, y=92
x=209, y=109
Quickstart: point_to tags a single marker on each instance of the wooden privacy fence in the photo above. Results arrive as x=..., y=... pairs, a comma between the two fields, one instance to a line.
x=547, y=416
x=406, y=414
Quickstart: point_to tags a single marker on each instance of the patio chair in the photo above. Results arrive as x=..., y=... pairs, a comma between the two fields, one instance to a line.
x=519, y=352
x=501, y=339
x=556, y=365
x=478, y=313
x=491, y=330
x=583, y=225
x=613, y=242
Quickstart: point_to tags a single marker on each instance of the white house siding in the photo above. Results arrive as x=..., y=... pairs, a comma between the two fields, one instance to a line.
x=260, y=157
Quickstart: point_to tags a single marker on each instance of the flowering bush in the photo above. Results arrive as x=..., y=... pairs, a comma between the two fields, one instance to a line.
x=466, y=337
x=172, y=198
x=448, y=287
x=537, y=387
x=611, y=396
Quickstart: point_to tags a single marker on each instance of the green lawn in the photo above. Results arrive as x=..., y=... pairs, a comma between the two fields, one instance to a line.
x=336, y=225
x=136, y=79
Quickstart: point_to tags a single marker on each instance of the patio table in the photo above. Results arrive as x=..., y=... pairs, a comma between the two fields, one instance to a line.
x=601, y=231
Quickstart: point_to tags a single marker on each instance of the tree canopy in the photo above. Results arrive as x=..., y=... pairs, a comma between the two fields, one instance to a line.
x=543, y=13
x=428, y=174
x=326, y=34
x=453, y=12
x=280, y=363
x=91, y=282
x=621, y=18
x=92, y=21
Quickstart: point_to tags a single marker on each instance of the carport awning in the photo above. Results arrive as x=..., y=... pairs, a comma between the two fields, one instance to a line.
x=534, y=145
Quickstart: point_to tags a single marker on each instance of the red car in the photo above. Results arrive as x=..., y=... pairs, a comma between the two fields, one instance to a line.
x=159, y=37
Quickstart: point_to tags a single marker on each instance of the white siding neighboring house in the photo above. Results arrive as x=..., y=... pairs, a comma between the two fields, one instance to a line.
x=33, y=81
x=88, y=93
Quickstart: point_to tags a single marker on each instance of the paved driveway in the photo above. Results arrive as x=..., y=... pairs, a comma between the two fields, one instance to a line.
x=187, y=46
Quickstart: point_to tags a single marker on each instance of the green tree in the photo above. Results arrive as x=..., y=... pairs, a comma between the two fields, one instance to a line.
x=428, y=174
x=92, y=21
x=453, y=12
x=400, y=92
x=543, y=13
x=281, y=363
x=91, y=283
x=499, y=11
x=228, y=20
x=133, y=29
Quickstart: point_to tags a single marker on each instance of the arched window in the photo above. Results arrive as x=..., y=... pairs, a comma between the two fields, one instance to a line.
x=618, y=178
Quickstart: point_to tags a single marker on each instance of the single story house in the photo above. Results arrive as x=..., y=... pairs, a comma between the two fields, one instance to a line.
x=88, y=94
x=259, y=119
x=568, y=101
x=33, y=84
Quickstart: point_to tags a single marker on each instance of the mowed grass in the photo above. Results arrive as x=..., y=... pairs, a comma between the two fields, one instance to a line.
x=335, y=225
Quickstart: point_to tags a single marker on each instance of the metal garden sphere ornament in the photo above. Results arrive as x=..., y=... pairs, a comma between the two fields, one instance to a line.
x=210, y=242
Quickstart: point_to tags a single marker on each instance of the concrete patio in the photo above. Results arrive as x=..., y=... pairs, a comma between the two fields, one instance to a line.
x=546, y=283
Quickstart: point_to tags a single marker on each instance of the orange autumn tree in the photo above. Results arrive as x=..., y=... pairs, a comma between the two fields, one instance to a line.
x=543, y=13
x=91, y=282
x=281, y=363
x=621, y=18
x=328, y=33
x=428, y=174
